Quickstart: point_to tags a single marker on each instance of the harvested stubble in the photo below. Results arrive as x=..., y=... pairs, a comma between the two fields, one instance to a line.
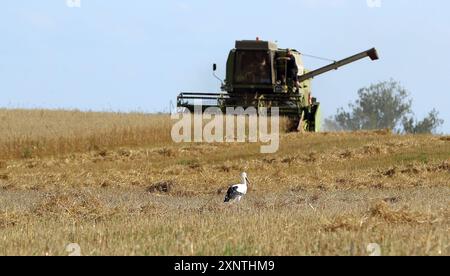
x=116, y=184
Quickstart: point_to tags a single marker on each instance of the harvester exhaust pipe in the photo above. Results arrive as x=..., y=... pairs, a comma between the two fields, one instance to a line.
x=372, y=54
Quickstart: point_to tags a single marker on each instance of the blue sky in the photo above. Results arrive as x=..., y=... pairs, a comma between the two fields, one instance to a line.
x=137, y=55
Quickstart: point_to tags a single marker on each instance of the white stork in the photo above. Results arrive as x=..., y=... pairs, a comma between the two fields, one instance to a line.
x=236, y=192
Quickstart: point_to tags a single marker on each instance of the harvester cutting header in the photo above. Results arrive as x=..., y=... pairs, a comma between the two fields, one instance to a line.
x=259, y=74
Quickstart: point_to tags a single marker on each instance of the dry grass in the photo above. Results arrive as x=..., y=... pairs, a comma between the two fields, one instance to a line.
x=139, y=194
x=37, y=133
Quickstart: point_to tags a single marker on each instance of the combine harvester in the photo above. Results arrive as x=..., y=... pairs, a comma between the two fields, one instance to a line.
x=259, y=74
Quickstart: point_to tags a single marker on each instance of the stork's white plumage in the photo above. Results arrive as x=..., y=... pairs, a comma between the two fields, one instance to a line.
x=236, y=192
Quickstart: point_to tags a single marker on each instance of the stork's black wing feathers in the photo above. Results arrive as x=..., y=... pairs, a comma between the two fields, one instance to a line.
x=232, y=193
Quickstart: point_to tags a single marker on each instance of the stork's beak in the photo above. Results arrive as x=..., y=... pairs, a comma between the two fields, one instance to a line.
x=247, y=180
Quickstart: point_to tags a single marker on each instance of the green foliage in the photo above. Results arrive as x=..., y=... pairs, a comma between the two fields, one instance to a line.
x=385, y=105
x=427, y=125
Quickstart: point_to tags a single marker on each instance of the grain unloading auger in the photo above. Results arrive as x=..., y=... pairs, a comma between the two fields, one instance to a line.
x=259, y=74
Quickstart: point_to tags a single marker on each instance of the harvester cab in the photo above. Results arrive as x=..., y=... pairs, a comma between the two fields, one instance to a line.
x=259, y=74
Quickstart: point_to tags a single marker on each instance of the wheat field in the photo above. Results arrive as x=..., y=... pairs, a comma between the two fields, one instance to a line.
x=116, y=184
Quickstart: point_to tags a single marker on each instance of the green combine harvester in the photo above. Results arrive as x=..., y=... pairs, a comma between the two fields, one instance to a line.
x=259, y=74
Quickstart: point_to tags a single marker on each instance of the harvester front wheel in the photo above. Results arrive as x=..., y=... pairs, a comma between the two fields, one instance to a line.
x=293, y=124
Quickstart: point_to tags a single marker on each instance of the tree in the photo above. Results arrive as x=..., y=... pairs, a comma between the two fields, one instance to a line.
x=427, y=125
x=385, y=105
